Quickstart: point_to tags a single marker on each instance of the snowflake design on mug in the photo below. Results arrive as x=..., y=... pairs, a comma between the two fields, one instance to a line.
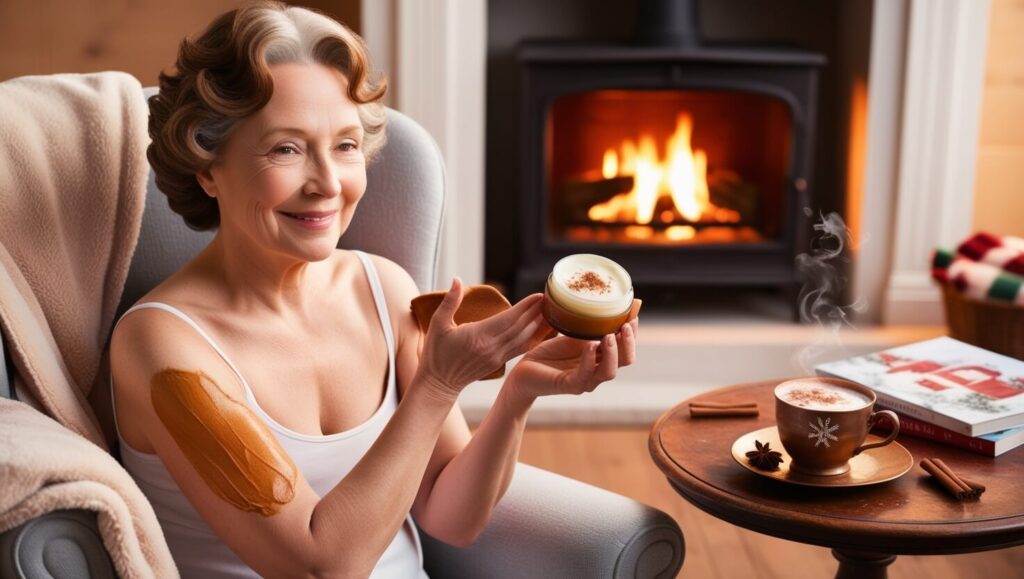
x=823, y=432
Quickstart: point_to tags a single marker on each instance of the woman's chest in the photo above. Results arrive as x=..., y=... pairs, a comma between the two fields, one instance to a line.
x=312, y=388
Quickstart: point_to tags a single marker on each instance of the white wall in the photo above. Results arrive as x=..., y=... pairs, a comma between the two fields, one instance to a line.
x=438, y=54
x=938, y=134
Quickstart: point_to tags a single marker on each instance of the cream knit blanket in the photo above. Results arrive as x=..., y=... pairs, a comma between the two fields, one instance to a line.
x=72, y=186
x=45, y=467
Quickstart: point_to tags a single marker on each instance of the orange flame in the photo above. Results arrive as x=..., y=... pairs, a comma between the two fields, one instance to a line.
x=682, y=175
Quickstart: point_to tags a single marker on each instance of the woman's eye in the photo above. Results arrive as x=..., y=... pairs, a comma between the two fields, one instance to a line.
x=348, y=146
x=286, y=150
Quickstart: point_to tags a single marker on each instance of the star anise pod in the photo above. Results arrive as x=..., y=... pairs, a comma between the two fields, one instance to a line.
x=764, y=458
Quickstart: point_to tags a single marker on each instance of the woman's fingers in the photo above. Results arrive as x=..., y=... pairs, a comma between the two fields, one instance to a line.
x=584, y=373
x=513, y=331
x=560, y=349
x=544, y=333
x=609, y=363
x=598, y=364
x=444, y=316
x=513, y=319
x=526, y=336
x=527, y=312
x=505, y=328
x=626, y=339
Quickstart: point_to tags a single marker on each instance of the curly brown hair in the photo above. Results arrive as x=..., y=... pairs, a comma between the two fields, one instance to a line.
x=223, y=76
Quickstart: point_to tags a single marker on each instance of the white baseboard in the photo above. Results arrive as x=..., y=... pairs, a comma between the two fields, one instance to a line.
x=913, y=298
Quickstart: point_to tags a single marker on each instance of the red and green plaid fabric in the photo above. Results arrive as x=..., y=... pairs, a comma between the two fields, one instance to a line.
x=977, y=280
x=1005, y=252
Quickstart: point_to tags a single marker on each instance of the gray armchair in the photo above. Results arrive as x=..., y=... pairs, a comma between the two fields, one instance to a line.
x=546, y=525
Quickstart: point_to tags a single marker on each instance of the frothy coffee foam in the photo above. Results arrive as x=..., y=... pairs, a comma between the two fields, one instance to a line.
x=821, y=396
x=591, y=285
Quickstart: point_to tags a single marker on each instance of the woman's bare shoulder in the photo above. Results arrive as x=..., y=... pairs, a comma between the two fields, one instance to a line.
x=399, y=290
x=147, y=342
x=394, y=280
x=150, y=339
x=186, y=287
x=155, y=337
x=393, y=277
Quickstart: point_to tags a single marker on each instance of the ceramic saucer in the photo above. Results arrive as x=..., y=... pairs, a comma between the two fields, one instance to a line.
x=873, y=466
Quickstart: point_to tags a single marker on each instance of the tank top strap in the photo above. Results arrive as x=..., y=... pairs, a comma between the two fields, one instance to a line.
x=380, y=302
x=185, y=318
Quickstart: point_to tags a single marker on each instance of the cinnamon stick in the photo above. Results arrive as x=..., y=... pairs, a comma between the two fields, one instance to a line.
x=708, y=404
x=947, y=483
x=977, y=486
x=950, y=481
x=706, y=412
x=971, y=490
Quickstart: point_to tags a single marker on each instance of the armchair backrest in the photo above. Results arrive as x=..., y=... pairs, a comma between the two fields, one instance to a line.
x=398, y=218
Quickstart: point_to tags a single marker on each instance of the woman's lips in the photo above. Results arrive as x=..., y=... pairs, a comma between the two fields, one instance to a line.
x=312, y=219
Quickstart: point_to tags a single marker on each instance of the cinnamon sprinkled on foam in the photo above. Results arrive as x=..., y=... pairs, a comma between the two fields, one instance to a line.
x=589, y=282
x=810, y=395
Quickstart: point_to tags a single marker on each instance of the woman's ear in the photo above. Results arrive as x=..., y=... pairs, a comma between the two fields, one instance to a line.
x=206, y=181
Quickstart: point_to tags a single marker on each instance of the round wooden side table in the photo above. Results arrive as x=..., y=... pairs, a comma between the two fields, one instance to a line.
x=866, y=527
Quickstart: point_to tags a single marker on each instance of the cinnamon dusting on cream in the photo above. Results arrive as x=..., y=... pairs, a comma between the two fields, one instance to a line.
x=589, y=282
x=818, y=395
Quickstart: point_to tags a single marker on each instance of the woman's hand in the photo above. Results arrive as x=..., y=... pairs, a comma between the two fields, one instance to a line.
x=454, y=355
x=565, y=365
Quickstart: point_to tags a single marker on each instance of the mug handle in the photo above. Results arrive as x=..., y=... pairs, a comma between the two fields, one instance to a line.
x=871, y=423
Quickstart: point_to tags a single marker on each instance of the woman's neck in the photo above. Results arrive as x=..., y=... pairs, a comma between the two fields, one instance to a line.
x=259, y=281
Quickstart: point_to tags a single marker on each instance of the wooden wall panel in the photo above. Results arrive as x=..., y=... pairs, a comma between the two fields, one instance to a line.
x=999, y=197
x=137, y=36
x=999, y=184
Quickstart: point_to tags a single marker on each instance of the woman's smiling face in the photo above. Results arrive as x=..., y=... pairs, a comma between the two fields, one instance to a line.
x=289, y=177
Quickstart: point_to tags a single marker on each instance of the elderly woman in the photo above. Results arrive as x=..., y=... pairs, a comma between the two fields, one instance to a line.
x=275, y=399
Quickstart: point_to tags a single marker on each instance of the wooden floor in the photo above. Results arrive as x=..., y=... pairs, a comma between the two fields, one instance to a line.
x=617, y=459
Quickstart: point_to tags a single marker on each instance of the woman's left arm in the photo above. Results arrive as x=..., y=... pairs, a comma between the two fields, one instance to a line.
x=472, y=472
x=469, y=473
x=465, y=492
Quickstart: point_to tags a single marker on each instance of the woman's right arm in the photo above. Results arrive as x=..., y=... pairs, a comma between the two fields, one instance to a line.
x=371, y=503
x=262, y=508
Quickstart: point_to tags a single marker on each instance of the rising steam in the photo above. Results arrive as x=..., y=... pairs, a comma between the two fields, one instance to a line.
x=819, y=298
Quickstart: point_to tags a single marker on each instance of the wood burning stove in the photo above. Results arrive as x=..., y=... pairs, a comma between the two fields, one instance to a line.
x=688, y=164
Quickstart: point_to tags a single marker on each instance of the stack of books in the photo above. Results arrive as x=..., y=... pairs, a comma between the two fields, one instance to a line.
x=945, y=390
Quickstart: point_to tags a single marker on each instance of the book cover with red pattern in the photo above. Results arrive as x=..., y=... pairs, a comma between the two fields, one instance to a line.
x=942, y=381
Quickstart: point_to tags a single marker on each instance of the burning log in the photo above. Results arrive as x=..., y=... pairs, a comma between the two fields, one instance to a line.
x=729, y=190
x=579, y=196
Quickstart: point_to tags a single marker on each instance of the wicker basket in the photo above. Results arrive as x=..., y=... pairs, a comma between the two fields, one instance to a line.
x=989, y=324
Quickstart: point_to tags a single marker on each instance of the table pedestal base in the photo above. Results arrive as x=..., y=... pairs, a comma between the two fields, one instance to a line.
x=860, y=565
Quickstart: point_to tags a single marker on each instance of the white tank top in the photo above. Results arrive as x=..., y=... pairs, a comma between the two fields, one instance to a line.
x=322, y=460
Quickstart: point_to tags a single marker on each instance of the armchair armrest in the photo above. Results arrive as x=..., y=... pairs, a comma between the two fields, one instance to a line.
x=548, y=525
x=57, y=545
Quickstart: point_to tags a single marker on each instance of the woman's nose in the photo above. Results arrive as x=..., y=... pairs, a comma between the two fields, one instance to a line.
x=324, y=179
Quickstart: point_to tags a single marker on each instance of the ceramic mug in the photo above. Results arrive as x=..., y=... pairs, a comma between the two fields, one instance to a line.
x=823, y=423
